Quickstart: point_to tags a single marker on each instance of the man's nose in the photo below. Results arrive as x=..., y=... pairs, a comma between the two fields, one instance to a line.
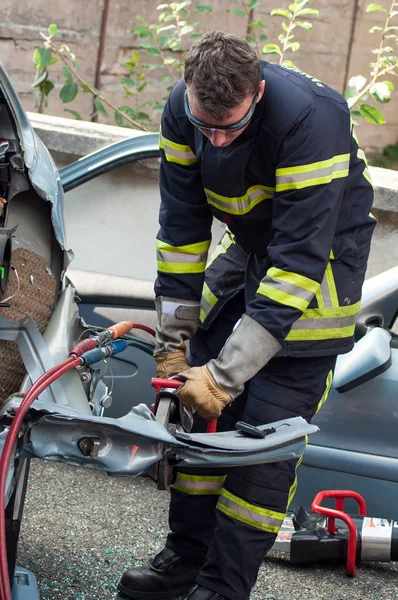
x=217, y=137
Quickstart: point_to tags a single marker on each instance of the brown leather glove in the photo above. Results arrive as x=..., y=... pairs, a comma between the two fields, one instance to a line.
x=171, y=363
x=201, y=392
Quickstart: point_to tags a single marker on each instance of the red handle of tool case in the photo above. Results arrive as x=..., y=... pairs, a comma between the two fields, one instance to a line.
x=158, y=383
x=338, y=513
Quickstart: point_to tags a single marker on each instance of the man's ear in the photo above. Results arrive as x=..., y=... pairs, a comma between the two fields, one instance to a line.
x=261, y=89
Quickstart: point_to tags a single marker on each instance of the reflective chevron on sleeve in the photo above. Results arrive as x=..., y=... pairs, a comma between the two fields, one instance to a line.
x=319, y=173
x=252, y=515
x=288, y=288
x=182, y=260
x=199, y=484
x=176, y=153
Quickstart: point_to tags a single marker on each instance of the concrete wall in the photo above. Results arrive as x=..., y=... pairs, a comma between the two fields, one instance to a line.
x=339, y=47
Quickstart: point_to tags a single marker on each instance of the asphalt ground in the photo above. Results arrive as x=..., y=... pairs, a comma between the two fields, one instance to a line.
x=81, y=529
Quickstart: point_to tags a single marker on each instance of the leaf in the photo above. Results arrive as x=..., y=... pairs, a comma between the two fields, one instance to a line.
x=130, y=66
x=373, y=7
x=127, y=81
x=100, y=107
x=280, y=12
x=52, y=30
x=237, y=12
x=252, y=4
x=371, y=114
x=390, y=85
x=183, y=5
x=186, y=29
x=357, y=82
x=271, y=49
x=307, y=11
x=375, y=29
x=381, y=92
x=40, y=76
x=294, y=46
x=289, y=64
x=256, y=24
x=152, y=51
x=84, y=88
x=263, y=37
x=77, y=115
x=67, y=74
x=202, y=8
x=142, y=116
x=119, y=119
x=53, y=60
x=135, y=57
x=42, y=57
x=68, y=92
x=305, y=25
x=143, y=32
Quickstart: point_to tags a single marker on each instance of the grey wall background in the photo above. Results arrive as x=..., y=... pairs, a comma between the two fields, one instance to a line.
x=99, y=32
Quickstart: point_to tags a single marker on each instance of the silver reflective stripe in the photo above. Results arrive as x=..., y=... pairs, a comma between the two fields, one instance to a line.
x=288, y=288
x=180, y=257
x=185, y=155
x=241, y=511
x=199, y=484
x=332, y=323
x=327, y=300
x=313, y=174
x=239, y=205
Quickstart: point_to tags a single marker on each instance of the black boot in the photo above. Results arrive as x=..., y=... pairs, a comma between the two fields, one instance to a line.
x=167, y=576
x=198, y=592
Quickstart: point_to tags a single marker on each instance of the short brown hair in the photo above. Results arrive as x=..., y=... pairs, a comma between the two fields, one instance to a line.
x=221, y=69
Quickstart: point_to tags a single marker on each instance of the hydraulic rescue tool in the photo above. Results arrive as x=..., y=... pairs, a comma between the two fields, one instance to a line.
x=175, y=417
x=311, y=536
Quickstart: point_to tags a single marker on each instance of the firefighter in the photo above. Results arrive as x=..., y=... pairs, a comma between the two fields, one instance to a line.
x=270, y=152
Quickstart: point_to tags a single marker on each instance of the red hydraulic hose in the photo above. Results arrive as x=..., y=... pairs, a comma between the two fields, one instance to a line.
x=38, y=387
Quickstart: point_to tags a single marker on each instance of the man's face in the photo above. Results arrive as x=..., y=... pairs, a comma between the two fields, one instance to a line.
x=220, y=137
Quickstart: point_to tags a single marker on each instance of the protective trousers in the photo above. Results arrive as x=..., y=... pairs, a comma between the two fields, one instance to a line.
x=228, y=521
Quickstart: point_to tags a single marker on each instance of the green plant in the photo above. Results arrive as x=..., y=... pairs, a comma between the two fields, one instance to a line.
x=388, y=159
x=163, y=44
x=386, y=64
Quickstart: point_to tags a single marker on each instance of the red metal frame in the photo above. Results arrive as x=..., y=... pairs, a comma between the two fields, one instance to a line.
x=338, y=513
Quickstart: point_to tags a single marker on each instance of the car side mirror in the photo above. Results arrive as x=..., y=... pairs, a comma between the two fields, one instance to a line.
x=370, y=356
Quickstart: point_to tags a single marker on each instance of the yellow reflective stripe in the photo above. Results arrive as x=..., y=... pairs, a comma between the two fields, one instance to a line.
x=226, y=241
x=331, y=285
x=190, y=258
x=199, y=484
x=250, y=514
x=331, y=313
x=288, y=288
x=240, y=205
x=196, y=248
x=176, y=153
x=324, y=324
x=181, y=268
x=319, y=173
x=320, y=334
x=329, y=380
x=361, y=155
x=208, y=301
x=293, y=487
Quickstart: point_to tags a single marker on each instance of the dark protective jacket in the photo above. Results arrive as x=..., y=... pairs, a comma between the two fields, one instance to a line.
x=295, y=194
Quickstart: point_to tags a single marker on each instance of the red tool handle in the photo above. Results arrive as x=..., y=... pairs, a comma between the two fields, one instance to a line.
x=158, y=383
x=338, y=513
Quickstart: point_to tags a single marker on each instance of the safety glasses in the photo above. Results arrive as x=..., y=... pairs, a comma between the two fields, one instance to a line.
x=232, y=127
